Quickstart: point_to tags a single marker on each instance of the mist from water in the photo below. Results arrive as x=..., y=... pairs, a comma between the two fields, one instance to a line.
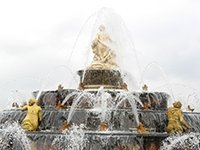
x=13, y=135
x=189, y=141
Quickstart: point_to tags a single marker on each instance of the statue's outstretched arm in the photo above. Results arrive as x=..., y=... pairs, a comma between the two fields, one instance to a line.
x=24, y=107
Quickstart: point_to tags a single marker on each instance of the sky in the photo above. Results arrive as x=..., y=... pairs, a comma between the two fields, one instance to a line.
x=38, y=37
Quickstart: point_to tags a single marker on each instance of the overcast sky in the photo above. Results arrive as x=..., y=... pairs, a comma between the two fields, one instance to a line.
x=37, y=38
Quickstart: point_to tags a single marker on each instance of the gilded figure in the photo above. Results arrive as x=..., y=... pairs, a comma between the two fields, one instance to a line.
x=104, y=56
x=33, y=116
x=176, y=121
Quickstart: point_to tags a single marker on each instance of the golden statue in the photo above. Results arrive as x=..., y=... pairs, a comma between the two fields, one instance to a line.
x=189, y=108
x=64, y=126
x=103, y=126
x=176, y=121
x=60, y=87
x=145, y=88
x=141, y=129
x=104, y=57
x=33, y=116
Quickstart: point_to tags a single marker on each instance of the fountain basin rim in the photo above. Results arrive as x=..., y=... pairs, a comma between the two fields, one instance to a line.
x=106, y=89
x=89, y=109
x=104, y=133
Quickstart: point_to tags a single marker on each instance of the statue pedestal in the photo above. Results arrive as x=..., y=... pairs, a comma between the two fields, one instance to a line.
x=94, y=79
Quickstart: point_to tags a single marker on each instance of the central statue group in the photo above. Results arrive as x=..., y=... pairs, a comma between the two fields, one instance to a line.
x=104, y=57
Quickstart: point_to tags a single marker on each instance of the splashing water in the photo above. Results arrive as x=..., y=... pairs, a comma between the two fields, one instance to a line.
x=182, y=142
x=67, y=98
x=12, y=136
x=102, y=104
x=132, y=99
x=77, y=101
x=72, y=139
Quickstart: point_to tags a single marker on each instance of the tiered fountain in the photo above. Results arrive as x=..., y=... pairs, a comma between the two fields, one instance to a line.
x=101, y=114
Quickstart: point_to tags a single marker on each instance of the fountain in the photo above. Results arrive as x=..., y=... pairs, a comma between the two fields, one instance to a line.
x=102, y=113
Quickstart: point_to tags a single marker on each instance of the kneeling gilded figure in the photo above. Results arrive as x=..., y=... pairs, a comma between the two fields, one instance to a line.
x=33, y=116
